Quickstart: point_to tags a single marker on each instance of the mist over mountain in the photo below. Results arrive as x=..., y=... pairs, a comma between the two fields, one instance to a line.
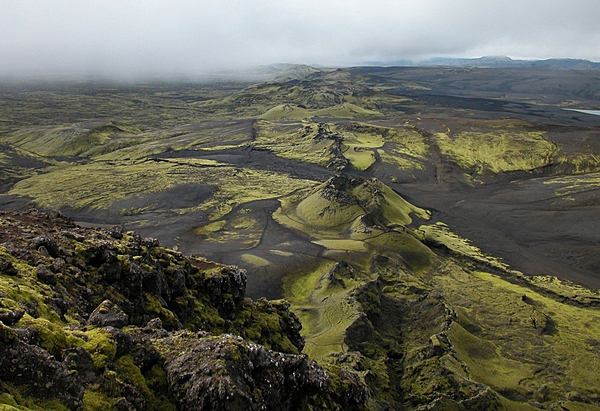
x=185, y=40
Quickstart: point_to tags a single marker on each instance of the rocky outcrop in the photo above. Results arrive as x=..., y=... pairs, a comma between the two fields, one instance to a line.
x=91, y=317
x=108, y=314
x=36, y=371
x=229, y=373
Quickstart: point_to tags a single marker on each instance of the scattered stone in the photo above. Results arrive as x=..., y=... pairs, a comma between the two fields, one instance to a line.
x=7, y=267
x=145, y=355
x=150, y=242
x=125, y=342
x=154, y=324
x=29, y=336
x=12, y=317
x=48, y=243
x=45, y=275
x=59, y=265
x=108, y=314
x=78, y=359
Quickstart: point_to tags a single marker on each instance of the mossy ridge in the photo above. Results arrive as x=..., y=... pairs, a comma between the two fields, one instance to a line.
x=295, y=140
x=465, y=336
x=93, y=186
x=209, y=135
x=323, y=305
x=69, y=140
x=215, y=292
x=343, y=206
x=531, y=333
x=400, y=146
x=361, y=143
x=294, y=112
x=438, y=236
x=497, y=151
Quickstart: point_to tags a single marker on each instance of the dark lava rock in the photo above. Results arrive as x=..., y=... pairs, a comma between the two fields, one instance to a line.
x=150, y=242
x=38, y=371
x=48, y=243
x=79, y=360
x=45, y=275
x=12, y=317
x=229, y=373
x=29, y=336
x=108, y=314
x=125, y=342
x=230, y=282
x=145, y=355
x=6, y=267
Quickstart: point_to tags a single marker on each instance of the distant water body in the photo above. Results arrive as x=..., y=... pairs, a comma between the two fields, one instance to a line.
x=594, y=112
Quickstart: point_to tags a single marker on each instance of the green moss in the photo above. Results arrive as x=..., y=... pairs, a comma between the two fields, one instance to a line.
x=53, y=337
x=154, y=308
x=8, y=401
x=93, y=186
x=69, y=140
x=486, y=365
x=413, y=253
x=255, y=260
x=497, y=151
x=156, y=380
x=101, y=346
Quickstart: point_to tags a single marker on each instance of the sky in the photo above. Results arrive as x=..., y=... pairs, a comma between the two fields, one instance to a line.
x=149, y=38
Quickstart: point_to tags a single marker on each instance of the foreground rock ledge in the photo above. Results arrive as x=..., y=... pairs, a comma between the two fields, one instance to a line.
x=93, y=319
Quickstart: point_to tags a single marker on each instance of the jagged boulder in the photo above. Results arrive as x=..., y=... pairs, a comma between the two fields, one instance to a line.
x=229, y=373
x=11, y=317
x=85, y=285
x=6, y=267
x=37, y=371
x=108, y=314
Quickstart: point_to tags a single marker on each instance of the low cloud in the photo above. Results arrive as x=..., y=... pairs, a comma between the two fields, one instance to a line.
x=128, y=39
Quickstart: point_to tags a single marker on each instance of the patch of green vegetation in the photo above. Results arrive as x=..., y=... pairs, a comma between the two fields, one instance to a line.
x=412, y=252
x=571, y=185
x=439, y=235
x=97, y=401
x=155, y=309
x=25, y=289
x=131, y=374
x=532, y=333
x=70, y=140
x=343, y=244
x=296, y=141
x=101, y=347
x=53, y=337
x=241, y=229
x=340, y=206
x=294, y=112
x=486, y=365
x=93, y=186
x=360, y=158
x=497, y=151
x=255, y=260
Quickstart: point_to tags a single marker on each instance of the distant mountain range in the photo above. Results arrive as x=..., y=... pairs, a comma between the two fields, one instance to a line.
x=502, y=61
x=282, y=72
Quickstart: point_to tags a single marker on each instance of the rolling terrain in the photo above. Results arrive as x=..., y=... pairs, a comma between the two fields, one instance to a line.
x=435, y=229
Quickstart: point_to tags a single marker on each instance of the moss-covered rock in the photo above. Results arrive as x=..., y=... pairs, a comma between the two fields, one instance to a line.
x=87, y=321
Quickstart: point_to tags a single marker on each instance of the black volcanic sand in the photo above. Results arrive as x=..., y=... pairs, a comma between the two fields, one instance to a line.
x=249, y=157
x=535, y=234
x=285, y=250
